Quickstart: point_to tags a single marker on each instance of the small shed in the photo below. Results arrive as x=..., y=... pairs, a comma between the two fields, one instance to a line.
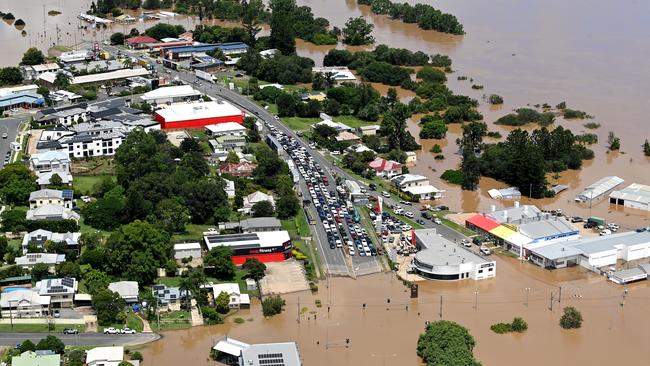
x=187, y=250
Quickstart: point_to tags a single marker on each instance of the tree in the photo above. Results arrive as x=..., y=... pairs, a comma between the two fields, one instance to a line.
x=107, y=304
x=218, y=258
x=613, y=141
x=62, y=80
x=358, y=32
x=272, y=305
x=191, y=145
x=96, y=281
x=253, y=11
x=27, y=345
x=446, y=343
x=571, y=319
x=282, y=26
x=75, y=357
x=16, y=183
x=263, y=209
x=125, y=363
x=211, y=316
x=10, y=76
x=256, y=270
x=40, y=271
x=232, y=157
x=151, y=4
x=221, y=303
x=171, y=216
x=519, y=325
x=646, y=148
x=51, y=343
x=4, y=246
x=106, y=213
x=68, y=269
x=137, y=356
x=134, y=32
x=117, y=38
x=432, y=128
x=163, y=30
x=33, y=56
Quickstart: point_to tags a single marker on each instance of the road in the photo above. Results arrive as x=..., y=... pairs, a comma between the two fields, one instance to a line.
x=9, y=126
x=83, y=339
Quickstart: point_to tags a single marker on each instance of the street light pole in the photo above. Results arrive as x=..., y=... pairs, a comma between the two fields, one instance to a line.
x=475, y=300
x=527, y=290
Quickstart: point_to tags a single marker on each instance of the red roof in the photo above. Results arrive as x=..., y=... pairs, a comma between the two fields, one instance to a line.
x=238, y=170
x=141, y=40
x=482, y=222
x=382, y=165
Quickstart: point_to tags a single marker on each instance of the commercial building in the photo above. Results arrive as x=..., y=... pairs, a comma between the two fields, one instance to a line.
x=416, y=186
x=385, y=168
x=237, y=300
x=270, y=246
x=171, y=94
x=441, y=259
x=233, y=352
x=128, y=290
x=598, y=190
x=187, y=250
x=24, y=303
x=23, y=99
x=74, y=57
x=226, y=129
x=505, y=193
x=194, y=115
x=50, y=77
x=139, y=42
x=40, y=236
x=185, y=52
x=633, y=196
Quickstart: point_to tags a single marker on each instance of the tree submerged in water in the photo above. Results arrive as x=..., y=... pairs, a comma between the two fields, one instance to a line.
x=447, y=343
x=571, y=319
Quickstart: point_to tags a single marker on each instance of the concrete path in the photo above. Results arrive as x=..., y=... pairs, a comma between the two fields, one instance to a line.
x=146, y=327
x=197, y=318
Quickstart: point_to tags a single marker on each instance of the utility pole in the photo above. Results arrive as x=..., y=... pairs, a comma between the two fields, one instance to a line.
x=475, y=300
x=559, y=296
x=625, y=291
x=298, y=309
x=527, y=291
x=551, y=307
x=440, y=313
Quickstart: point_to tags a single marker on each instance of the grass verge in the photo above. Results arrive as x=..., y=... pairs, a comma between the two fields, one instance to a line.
x=39, y=328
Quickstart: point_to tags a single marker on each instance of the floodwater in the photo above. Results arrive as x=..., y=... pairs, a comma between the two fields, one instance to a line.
x=386, y=334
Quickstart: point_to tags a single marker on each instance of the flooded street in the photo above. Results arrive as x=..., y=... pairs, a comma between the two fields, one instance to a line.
x=386, y=334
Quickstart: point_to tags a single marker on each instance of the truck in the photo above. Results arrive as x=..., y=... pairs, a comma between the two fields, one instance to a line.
x=356, y=215
x=204, y=76
x=597, y=220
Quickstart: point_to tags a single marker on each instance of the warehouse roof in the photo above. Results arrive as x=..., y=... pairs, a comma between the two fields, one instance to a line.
x=599, y=188
x=191, y=111
x=170, y=92
x=111, y=75
x=225, y=127
x=516, y=213
x=634, y=192
x=609, y=242
x=483, y=222
x=546, y=228
x=557, y=251
x=253, y=240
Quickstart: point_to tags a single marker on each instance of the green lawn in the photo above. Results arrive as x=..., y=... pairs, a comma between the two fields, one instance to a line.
x=172, y=320
x=134, y=322
x=193, y=232
x=239, y=279
x=85, y=183
x=353, y=121
x=299, y=123
x=39, y=328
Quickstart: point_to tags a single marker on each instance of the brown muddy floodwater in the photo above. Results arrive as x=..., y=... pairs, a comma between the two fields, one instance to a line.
x=386, y=334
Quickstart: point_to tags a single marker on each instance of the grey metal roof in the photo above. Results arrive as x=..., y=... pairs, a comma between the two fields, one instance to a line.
x=548, y=227
x=515, y=213
x=557, y=251
x=599, y=188
x=634, y=192
x=607, y=242
x=440, y=251
x=262, y=354
x=261, y=222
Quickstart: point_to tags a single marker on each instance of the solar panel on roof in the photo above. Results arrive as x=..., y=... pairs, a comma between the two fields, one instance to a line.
x=69, y=282
x=68, y=193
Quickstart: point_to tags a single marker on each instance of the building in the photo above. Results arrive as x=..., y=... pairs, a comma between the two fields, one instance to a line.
x=369, y=130
x=230, y=143
x=339, y=127
x=50, y=161
x=24, y=303
x=167, y=296
x=260, y=224
x=597, y=190
x=50, y=77
x=125, y=19
x=185, y=52
x=505, y=193
x=226, y=129
x=416, y=186
x=193, y=115
x=51, y=197
x=44, y=179
x=386, y=168
x=253, y=198
x=60, y=290
x=237, y=299
x=358, y=148
x=40, y=236
x=229, y=188
x=128, y=290
x=25, y=99
x=313, y=95
x=64, y=97
x=187, y=250
x=347, y=136
x=74, y=57
x=338, y=73
x=441, y=259
x=38, y=358
x=52, y=212
x=29, y=260
x=31, y=72
x=139, y=42
x=411, y=158
x=105, y=356
x=269, y=246
x=65, y=116
x=629, y=275
x=232, y=351
x=241, y=169
x=633, y=196
x=171, y=94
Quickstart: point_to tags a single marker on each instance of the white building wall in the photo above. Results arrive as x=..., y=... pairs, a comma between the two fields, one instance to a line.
x=604, y=258
x=485, y=270
x=636, y=205
x=635, y=252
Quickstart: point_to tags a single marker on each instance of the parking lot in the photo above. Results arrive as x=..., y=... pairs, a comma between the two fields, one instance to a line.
x=284, y=277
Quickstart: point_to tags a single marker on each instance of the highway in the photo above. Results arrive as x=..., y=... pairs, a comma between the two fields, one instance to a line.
x=82, y=339
x=9, y=126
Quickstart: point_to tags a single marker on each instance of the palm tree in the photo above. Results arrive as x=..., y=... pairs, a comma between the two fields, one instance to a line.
x=185, y=287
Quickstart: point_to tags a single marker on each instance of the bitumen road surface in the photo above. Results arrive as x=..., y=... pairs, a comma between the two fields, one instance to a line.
x=10, y=127
x=82, y=339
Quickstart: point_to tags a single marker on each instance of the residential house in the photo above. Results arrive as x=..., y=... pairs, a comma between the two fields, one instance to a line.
x=29, y=260
x=237, y=299
x=313, y=95
x=40, y=236
x=253, y=198
x=386, y=168
x=64, y=97
x=369, y=130
x=105, y=356
x=416, y=186
x=241, y=169
x=128, y=290
x=338, y=73
x=55, y=161
x=339, y=127
x=167, y=296
x=187, y=250
x=60, y=290
x=44, y=179
x=50, y=197
x=24, y=303
x=358, y=148
x=231, y=142
x=65, y=116
x=347, y=136
x=52, y=212
x=229, y=188
x=38, y=358
x=31, y=72
x=411, y=158
x=260, y=224
x=226, y=129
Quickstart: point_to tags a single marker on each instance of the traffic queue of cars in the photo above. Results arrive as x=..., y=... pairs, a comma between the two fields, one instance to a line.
x=336, y=215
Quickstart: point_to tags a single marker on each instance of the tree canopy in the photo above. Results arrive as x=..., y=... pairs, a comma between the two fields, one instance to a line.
x=33, y=56
x=357, y=32
x=446, y=343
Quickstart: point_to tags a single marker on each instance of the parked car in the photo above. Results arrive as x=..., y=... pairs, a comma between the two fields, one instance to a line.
x=127, y=331
x=485, y=250
x=56, y=313
x=466, y=243
x=385, y=194
x=4, y=135
x=577, y=219
x=605, y=232
x=70, y=331
x=111, y=330
x=372, y=186
x=437, y=221
x=409, y=214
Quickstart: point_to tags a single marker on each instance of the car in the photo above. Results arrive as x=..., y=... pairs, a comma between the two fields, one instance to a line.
x=127, y=331
x=485, y=250
x=4, y=135
x=351, y=251
x=575, y=219
x=57, y=314
x=372, y=186
x=385, y=194
x=335, y=152
x=338, y=244
x=589, y=225
x=605, y=232
x=70, y=331
x=477, y=241
x=332, y=246
x=111, y=330
x=421, y=222
x=437, y=221
x=409, y=214
x=466, y=243
x=613, y=227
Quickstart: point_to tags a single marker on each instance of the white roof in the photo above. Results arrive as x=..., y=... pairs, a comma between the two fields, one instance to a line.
x=49, y=156
x=599, y=188
x=170, y=92
x=244, y=299
x=46, y=67
x=229, y=288
x=46, y=193
x=105, y=354
x=26, y=297
x=417, y=190
x=634, y=192
x=112, y=75
x=335, y=125
x=264, y=239
x=258, y=196
x=278, y=86
x=48, y=211
x=407, y=178
x=31, y=259
x=187, y=246
x=339, y=73
x=225, y=127
x=192, y=111
x=231, y=346
x=16, y=89
x=45, y=177
x=124, y=288
x=48, y=77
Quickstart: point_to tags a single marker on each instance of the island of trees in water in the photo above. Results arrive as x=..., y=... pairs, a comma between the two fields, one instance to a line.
x=425, y=16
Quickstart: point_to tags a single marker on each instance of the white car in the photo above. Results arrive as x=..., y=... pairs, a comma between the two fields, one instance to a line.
x=409, y=215
x=385, y=194
x=398, y=211
x=466, y=243
x=613, y=227
x=339, y=244
x=127, y=331
x=111, y=330
x=485, y=250
x=605, y=232
x=335, y=152
x=437, y=221
x=351, y=250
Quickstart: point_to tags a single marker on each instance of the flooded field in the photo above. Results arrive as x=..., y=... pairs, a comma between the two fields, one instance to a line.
x=386, y=334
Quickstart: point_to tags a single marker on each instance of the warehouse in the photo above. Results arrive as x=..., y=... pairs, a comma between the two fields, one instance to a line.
x=633, y=196
x=171, y=94
x=440, y=259
x=269, y=246
x=194, y=115
x=597, y=190
x=185, y=52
